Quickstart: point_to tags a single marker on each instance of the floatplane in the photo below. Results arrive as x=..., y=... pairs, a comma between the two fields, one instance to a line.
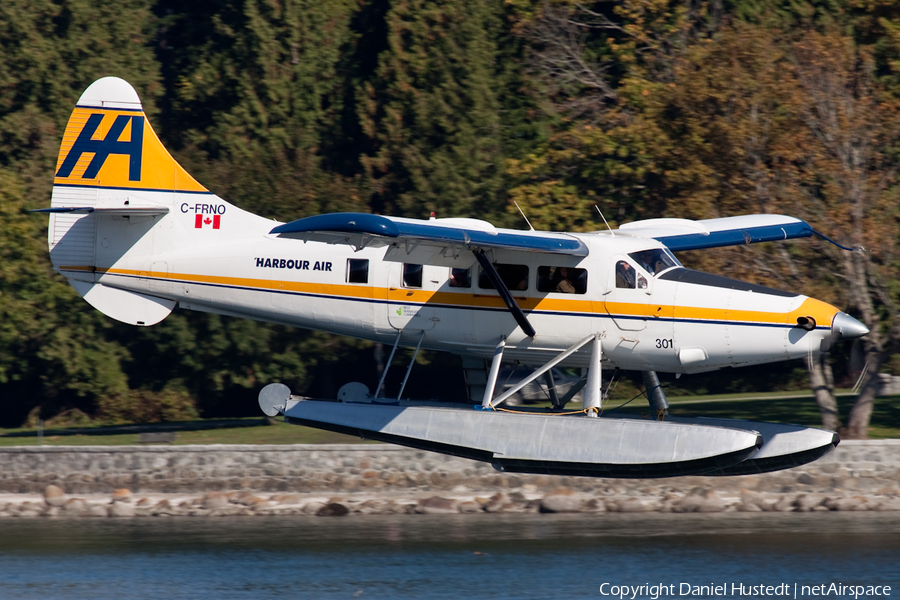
x=136, y=236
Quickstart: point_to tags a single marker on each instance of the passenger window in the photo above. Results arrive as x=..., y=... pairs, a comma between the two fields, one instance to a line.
x=624, y=275
x=412, y=275
x=514, y=276
x=562, y=280
x=460, y=278
x=357, y=270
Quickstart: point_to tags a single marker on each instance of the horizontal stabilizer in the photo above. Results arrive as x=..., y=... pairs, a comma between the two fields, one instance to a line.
x=684, y=234
x=361, y=229
x=123, y=206
x=127, y=307
x=126, y=211
x=539, y=443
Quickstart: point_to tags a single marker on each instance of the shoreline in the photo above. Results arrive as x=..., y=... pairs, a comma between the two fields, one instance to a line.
x=339, y=480
x=123, y=503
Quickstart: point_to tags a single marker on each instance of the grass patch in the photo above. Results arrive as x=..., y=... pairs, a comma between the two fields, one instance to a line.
x=210, y=431
x=779, y=408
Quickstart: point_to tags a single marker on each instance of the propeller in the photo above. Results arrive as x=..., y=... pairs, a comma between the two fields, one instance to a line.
x=843, y=328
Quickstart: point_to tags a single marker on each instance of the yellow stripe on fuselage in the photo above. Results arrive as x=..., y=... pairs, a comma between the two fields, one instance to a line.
x=823, y=313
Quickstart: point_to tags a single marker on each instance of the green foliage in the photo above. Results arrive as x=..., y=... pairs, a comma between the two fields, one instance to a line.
x=222, y=361
x=53, y=347
x=72, y=417
x=256, y=98
x=50, y=51
x=432, y=112
x=54, y=350
x=142, y=406
x=295, y=107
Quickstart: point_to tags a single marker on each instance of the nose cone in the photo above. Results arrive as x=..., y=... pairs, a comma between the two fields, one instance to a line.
x=845, y=327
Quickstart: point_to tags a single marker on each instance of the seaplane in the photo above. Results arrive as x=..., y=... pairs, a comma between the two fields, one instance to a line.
x=136, y=236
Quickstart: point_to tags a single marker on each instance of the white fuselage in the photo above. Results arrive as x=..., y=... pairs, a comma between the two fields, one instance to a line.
x=241, y=269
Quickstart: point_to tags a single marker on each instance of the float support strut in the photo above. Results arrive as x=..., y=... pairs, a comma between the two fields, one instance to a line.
x=411, y=363
x=593, y=395
x=492, y=375
x=387, y=365
x=540, y=371
x=658, y=401
x=551, y=389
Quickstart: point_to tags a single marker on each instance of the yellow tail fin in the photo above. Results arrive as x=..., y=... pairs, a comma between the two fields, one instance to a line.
x=109, y=143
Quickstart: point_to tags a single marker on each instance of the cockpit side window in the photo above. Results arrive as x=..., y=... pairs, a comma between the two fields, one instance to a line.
x=625, y=275
x=655, y=261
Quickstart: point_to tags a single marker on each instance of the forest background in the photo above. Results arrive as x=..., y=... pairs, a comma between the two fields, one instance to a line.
x=644, y=108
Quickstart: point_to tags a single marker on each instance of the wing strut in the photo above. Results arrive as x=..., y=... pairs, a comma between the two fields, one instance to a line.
x=507, y=296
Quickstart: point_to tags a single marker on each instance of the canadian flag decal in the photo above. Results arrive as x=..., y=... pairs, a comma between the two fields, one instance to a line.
x=202, y=221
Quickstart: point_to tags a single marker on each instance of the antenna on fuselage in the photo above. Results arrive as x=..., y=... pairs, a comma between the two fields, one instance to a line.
x=604, y=220
x=523, y=215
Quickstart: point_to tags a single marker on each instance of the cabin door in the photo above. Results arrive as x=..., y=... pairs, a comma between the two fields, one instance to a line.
x=410, y=287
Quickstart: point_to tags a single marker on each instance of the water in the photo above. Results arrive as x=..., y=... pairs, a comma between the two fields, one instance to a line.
x=441, y=557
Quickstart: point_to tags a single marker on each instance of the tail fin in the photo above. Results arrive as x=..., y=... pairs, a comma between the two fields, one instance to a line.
x=115, y=184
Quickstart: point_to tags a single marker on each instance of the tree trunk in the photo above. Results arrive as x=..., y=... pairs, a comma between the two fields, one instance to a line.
x=822, y=382
x=861, y=413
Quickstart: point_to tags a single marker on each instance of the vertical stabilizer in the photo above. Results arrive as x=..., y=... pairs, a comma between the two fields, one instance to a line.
x=110, y=157
x=123, y=206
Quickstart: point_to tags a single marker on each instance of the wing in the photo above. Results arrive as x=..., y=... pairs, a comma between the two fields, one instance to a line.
x=361, y=230
x=684, y=234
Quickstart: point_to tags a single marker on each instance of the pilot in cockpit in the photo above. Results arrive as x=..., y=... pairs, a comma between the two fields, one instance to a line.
x=653, y=261
x=624, y=275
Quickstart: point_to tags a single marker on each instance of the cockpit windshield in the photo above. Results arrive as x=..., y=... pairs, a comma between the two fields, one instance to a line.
x=655, y=261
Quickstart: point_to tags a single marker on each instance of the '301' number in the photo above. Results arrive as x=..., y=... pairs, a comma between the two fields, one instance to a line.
x=664, y=344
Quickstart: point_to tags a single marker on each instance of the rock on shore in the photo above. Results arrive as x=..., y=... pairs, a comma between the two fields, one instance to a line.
x=347, y=480
x=55, y=503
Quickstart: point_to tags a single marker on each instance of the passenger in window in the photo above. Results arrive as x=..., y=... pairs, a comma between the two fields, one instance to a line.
x=624, y=275
x=563, y=284
x=460, y=278
x=514, y=276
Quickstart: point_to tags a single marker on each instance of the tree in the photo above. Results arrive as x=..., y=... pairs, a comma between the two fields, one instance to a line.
x=54, y=349
x=728, y=117
x=257, y=96
x=848, y=181
x=432, y=112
